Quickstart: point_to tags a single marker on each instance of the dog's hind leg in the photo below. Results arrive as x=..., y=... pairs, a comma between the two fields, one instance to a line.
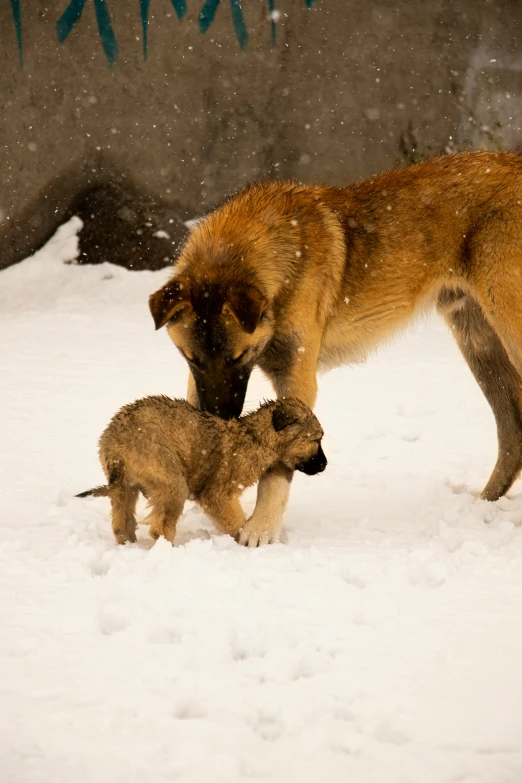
x=496, y=375
x=123, y=501
x=167, y=506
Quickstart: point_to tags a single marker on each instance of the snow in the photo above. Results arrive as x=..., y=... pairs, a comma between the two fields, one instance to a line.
x=381, y=643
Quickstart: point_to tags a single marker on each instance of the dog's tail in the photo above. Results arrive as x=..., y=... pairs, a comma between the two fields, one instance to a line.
x=115, y=475
x=96, y=492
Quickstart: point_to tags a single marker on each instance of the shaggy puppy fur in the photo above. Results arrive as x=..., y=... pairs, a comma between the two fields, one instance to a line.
x=171, y=451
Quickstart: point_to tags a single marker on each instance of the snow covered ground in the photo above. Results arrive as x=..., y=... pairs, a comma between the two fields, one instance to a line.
x=381, y=644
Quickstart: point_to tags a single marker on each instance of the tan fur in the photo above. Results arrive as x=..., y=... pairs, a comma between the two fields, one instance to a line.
x=171, y=451
x=323, y=275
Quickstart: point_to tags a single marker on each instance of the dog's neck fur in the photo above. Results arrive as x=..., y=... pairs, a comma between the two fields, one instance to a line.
x=273, y=249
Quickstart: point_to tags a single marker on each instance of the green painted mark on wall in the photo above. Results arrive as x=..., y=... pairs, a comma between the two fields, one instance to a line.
x=73, y=13
x=71, y=17
x=180, y=8
x=17, y=18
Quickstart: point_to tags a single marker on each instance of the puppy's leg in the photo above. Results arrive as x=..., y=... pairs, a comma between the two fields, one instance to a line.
x=173, y=512
x=123, y=501
x=273, y=491
x=167, y=506
x=164, y=519
x=225, y=512
x=500, y=382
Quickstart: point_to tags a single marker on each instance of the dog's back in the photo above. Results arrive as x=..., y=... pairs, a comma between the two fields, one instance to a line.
x=156, y=445
x=157, y=434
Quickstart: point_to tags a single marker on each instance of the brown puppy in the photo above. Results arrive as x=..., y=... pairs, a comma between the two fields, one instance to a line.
x=171, y=451
x=295, y=279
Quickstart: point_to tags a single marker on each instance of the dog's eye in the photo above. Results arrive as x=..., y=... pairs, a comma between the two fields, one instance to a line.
x=239, y=358
x=193, y=362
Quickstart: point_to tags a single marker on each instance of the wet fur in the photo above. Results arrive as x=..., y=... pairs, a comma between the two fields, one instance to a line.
x=323, y=275
x=171, y=451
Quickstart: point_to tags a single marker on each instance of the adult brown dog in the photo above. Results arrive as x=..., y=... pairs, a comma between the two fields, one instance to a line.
x=296, y=278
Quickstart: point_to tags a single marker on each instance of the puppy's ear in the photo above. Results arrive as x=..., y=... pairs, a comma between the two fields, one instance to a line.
x=169, y=300
x=282, y=418
x=246, y=304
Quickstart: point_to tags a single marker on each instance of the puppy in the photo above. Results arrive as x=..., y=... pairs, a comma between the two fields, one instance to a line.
x=171, y=451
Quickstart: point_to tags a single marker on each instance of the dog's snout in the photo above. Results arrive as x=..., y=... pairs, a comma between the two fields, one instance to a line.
x=221, y=395
x=314, y=465
x=320, y=461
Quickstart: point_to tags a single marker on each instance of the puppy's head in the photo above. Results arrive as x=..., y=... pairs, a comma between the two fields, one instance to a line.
x=220, y=328
x=299, y=436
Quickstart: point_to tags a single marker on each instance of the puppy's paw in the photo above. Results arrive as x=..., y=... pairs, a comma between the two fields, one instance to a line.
x=156, y=529
x=120, y=535
x=255, y=534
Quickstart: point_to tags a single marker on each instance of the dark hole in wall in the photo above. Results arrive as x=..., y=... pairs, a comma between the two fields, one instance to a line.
x=124, y=227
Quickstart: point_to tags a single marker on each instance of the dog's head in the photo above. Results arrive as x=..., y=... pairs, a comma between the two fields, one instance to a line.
x=299, y=436
x=220, y=328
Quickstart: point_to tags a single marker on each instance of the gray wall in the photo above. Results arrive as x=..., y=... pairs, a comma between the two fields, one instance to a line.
x=350, y=87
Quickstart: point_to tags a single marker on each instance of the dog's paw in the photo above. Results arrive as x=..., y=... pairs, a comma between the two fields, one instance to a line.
x=253, y=534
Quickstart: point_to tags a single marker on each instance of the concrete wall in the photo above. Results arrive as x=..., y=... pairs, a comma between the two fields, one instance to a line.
x=348, y=88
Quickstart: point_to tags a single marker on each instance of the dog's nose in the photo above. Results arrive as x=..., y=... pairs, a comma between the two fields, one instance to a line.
x=322, y=465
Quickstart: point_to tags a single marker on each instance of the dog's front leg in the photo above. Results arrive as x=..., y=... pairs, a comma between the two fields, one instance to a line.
x=265, y=524
x=192, y=392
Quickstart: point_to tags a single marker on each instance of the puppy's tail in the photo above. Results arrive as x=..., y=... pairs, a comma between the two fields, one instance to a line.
x=96, y=492
x=114, y=472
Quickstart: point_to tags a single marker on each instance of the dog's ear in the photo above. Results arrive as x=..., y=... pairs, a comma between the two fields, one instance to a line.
x=246, y=304
x=169, y=300
x=283, y=417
